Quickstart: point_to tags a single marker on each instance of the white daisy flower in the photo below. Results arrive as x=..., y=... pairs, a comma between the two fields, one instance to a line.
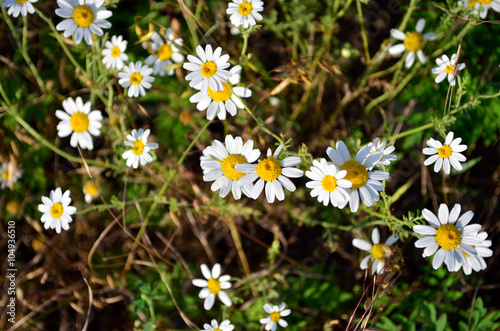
x=164, y=52
x=445, y=154
x=218, y=163
x=223, y=326
x=413, y=41
x=275, y=316
x=212, y=286
x=481, y=7
x=447, y=68
x=56, y=210
x=13, y=174
x=82, y=18
x=138, y=140
x=271, y=173
x=245, y=12
x=378, y=145
x=207, y=69
x=378, y=252
x=137, y=78
x=114, y=53
x=78, y=121
x=91, y=191
x=450, y=234
x=328, y=183
x=17, y=7
x=219, y=101
x=365, y=182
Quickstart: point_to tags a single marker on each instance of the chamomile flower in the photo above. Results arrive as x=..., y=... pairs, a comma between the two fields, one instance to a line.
x=245, y=12
x=481, y=7
x=91, y=190
x=275, y=316
x=214, y=326
x=138, y=140
x=78, y=121
x=9, y=173
x=82, y=18
x=445, y=154
x=114, y=53
x=207, y=69
x=413, y=41
x=328, y=183
x=213, y=286
x=56, y=210
x=378, y=145
x=17, y=7
x=218, y=102
x=477, y=263
x=137, y=78
x=165, y=51
x=271, y=173
x=447, y=68
x=378, y=252
x=449, y=235
x=218, y=163
x=366, y=183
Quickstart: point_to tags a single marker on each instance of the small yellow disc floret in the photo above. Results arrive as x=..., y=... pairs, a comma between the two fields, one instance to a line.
x=269, y=169
x=79, y=122
x=356, y=173
x=83, y=16
x=245, y=8
x=444, y=152
x=138, y=147
x=378, y=252
x=448, y=236
x=228, y=165
x=165, y=52
x=329, y=183
x=220, y=96
x=135, y=78
x=208, y=69
x=56, y=210
x=213, y=285
x=275, y=317
x=414, y=41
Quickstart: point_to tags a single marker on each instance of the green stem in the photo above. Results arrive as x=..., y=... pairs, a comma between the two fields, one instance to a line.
x=61, y=42
x=363, y=32
x=22, y=47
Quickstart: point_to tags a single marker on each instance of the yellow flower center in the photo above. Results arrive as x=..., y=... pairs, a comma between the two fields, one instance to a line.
x=13, y=206
x=217, y=330
x=21, y=1
x=275, y=317
x=138, y=147
x=472, y=3
x=449, y=69
x=228, y=165
x=5, y=174
x=213, y=285
x=445, y=151
x=165, y=52
x=245, y=8
x=90, y=188
x=56, y=210
x=356, y=173
x=448, y=236
x=208, y=69
x=378, y=252
x=414, y=41
x=220, y=96
x=115, y=51
x=135, y=78
x=329, y=183
x=79, y=122
x=269, y=169
x=83, y=16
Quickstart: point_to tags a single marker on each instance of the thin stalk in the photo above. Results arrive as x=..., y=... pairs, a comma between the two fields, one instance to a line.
x=363, y=32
